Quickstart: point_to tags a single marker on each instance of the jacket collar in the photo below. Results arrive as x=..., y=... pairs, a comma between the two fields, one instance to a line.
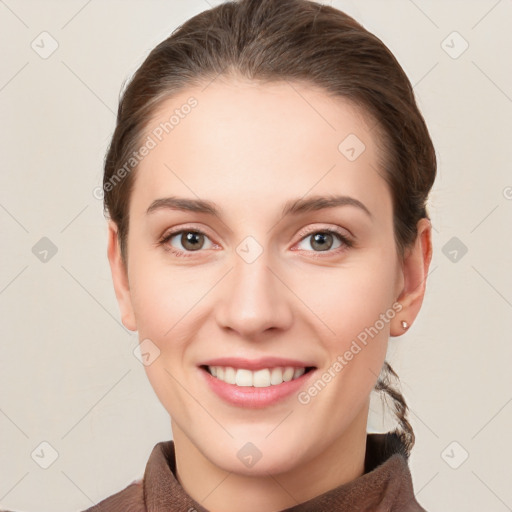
x=386, y=484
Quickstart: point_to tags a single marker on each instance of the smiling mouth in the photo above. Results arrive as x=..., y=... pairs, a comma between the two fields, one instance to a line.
x=262, y=378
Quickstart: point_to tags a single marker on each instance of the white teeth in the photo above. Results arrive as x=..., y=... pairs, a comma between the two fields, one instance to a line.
x=298, y=372
x=276, y=376
x=259, y=378
x=243, y=378
x=229, y=375
x=288, y=373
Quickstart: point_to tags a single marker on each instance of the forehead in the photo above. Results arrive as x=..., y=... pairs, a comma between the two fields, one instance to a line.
x=235, y=141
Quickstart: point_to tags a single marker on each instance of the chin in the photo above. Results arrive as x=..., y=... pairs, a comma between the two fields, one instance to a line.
x=254, y=458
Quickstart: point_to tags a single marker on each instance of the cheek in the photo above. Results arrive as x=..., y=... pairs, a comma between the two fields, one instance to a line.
x=164, y=297
x=350, y=299
x=354, y=304
x=359, y=306
x=164, y=302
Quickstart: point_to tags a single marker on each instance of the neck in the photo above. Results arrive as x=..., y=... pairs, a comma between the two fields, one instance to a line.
x=224, y=491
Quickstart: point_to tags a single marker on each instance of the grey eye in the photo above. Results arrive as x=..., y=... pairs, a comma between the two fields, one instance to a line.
x=320, y=241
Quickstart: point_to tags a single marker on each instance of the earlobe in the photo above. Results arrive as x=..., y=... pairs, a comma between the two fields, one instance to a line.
x=120, y=278
x=415, y=271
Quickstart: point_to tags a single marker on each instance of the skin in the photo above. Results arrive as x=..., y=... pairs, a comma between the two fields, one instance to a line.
x=249, y=148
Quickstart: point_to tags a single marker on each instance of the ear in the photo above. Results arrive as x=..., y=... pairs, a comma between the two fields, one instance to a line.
x=120, y=278
x=415, y=271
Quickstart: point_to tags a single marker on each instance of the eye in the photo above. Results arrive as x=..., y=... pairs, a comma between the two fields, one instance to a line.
x=324, y=240
x=187, y=240
x=184, y=242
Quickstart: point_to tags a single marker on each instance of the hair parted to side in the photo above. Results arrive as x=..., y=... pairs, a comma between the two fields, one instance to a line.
x=297, y=41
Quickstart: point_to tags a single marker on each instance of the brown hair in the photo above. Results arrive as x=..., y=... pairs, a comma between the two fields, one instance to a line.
x=299, y=41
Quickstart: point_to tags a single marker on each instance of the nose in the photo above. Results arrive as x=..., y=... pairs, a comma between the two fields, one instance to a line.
x=254, y=299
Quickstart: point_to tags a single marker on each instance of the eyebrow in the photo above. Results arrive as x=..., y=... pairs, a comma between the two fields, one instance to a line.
x=291, y=207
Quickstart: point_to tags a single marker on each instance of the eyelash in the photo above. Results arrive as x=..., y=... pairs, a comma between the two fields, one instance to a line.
x=347, y=243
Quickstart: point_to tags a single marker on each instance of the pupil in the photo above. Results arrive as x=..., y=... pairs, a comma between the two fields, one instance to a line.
x=320, y=239
x=191, y=240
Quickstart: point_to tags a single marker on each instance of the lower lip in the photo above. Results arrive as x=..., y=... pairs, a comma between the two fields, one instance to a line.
x=253, y=397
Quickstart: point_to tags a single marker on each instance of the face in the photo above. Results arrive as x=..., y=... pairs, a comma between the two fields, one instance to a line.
x=252, y=270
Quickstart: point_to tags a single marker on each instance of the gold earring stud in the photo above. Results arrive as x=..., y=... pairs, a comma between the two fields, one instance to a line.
x=405, y=325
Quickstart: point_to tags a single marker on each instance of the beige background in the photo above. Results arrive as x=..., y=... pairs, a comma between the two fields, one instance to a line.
x=68, y=376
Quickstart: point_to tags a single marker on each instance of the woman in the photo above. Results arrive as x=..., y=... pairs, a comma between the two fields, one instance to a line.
x=266, y=187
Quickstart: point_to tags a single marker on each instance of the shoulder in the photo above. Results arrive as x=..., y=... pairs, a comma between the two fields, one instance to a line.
x=133, y=497
x=130, y=499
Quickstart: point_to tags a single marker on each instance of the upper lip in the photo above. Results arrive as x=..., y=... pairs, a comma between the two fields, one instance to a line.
x=256, y=364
